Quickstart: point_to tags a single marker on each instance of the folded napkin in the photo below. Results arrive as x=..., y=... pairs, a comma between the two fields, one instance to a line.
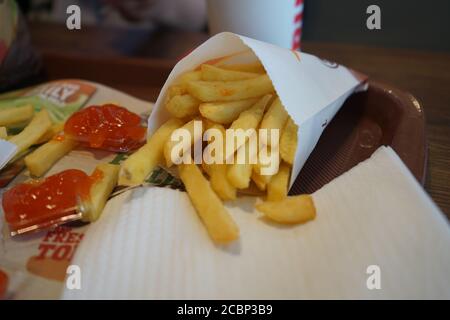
x=150, y=244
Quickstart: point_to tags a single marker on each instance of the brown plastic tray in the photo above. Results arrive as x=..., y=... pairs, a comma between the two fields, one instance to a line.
x=380, y=116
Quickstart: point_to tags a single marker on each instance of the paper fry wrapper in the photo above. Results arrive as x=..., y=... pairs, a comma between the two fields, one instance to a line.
x=311, y=90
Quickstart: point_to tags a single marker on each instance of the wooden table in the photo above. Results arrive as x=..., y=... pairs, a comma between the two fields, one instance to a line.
x=125, y=56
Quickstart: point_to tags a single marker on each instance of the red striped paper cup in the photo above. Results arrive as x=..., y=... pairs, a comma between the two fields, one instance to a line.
x=277, y=22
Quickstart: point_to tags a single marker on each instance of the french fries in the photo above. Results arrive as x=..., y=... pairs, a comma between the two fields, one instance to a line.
x=220, y=183
x=249, y=119
x=169, y=145
x=12, y=116
x=275, y=118
x=54, y=130
x=262, y=166
x=239, y=173
x=33, y=131
x=3, y=133
x=212, y=73
x=189, y=76
x=291, y=210
x=210, y=91
x=218, y=174
x=242, y=97
x=105, y=176
x=175, y=90
x=260, y=181
x=288, y=141
x=139, y=165
x=181, y=106
x=277, y=188
x=44, y=157
x=218, y=222
x=225, y=112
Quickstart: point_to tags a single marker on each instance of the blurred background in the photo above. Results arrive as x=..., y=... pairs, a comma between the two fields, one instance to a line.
x=135, y=27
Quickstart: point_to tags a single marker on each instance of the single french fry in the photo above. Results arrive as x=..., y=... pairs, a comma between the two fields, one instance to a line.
x=105, y=179
x=291, y=210
x=218, y=171
x=239, y=173
x=210, y=91
x=260, y=181
x=255, y=67
x=212, y=73
x=225, y=112
x=139, y=165
x=44, y=157
x=33, y=131
x=269, y=164
x=181, y=106
x=189, y=76
x=53, y=131
x=220, y=183
x=175, y=90
x=17, y=115
x=249, y=119
x=274, y=119
x=289, y=141
x=218, y=222
x=277, y=188
x=3, y=133
x=195, y=135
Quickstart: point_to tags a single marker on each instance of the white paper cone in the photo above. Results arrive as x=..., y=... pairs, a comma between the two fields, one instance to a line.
x=312, y=90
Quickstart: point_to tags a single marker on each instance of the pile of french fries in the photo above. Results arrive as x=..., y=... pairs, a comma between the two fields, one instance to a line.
x=53, y=145
x=220, y=96
x=225, y=97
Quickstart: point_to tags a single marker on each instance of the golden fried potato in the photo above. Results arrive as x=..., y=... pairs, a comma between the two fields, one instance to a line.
x=140, y=164
x=210, y=91
x=248, y=119
x=212, y=73
x=218, y=222
x=44, y=157
x=3, y=133
x=255, y=67
x=277, y=188
x=16, y=115
x=189, y=76
x=275, y=118
x=218, y=171
x=53, y=131
x=33, y=131
x=220, y=183
x=195, y=135
x=240, y=172
x=260, y=181
x=181, y=106
x=225, y=112
x=289, y=141
x=105, y=176
x=268, y=162
x=291, y=210
x=175, y=90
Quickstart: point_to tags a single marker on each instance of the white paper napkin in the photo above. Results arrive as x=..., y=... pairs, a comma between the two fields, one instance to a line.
x=7, y=152
x=151, y=244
